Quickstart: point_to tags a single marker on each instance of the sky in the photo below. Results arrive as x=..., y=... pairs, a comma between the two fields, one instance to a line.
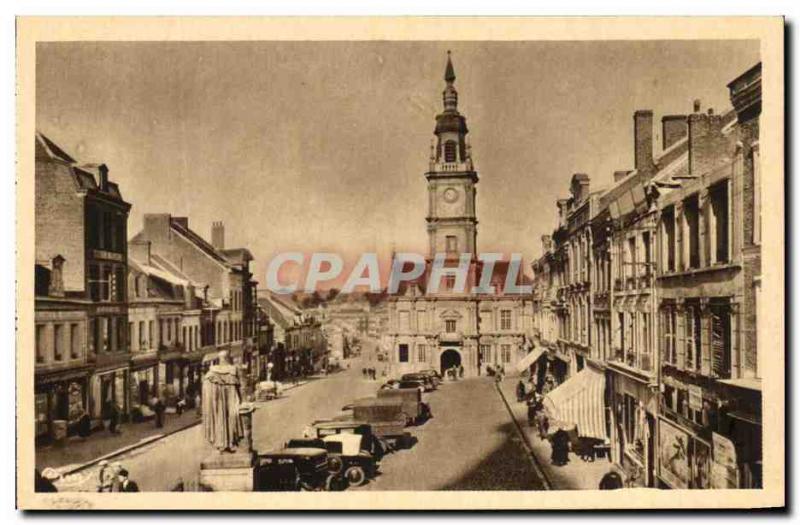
x=323, y=146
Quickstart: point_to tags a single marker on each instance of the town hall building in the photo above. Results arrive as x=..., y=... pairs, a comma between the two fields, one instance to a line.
x=444, y=328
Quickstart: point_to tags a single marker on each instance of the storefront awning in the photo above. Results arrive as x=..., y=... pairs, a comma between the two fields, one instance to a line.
x=579, y=400
x=529, y=359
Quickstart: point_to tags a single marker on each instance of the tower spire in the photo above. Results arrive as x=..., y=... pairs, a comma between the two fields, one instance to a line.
x=449, y=72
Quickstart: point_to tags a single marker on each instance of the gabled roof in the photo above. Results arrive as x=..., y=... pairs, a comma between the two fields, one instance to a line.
x=237, y=255
x=179, y=224
x=46, y=147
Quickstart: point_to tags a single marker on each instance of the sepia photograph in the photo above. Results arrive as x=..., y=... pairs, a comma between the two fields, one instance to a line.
x=417, y=266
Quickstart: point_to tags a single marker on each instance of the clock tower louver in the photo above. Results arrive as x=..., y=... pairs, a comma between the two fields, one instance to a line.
x=452, y=224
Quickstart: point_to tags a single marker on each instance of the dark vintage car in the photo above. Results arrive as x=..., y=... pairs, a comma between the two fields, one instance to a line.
x=428, y=383
x=349, y=457
x=435, y=376
x=386, y=419
x=295, y=467
x=419, y=384
x=413, y=408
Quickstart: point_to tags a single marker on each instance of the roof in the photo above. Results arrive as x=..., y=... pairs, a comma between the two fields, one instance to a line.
x=237, y=255
x=47, y=147
x=180, y=225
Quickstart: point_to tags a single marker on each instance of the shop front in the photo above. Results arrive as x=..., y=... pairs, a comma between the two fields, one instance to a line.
x=684, y=458
x=109, y=387
x=633, y=430
x=144, y=384
x=60, y=400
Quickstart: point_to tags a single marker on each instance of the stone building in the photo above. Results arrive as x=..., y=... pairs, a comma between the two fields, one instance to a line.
x=81, y=313
x=443, y=328
x=674, y=268
x=221, y=277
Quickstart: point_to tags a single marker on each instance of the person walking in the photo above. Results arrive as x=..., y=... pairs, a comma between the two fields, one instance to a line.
x=104, y=476
x=113, y=417
x=114, y=471
x=125, y=483
x=461, y=371
x=158, y=408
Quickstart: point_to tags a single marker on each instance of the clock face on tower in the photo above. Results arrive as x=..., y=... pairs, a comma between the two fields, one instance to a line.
x=450, y=195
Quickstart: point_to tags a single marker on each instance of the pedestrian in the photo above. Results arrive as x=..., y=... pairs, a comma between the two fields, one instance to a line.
x=127, y=484
x=611, y=481
x=198, y=405
x=532, y=410
x=520, y=391
x=113, y=417
x=180, y=405
x=364, y=373
x=560, y=448
x=461, y=371
x=116, y=482
x=104, y=476
x=84, y=425
x=159, y=408
x=543, y=423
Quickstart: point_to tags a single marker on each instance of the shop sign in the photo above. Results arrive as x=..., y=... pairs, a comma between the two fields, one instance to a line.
x=695, y=397
x=673, y=454
x=724, y=470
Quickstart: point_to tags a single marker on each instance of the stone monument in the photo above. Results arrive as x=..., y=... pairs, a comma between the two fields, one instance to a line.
x=227, y=426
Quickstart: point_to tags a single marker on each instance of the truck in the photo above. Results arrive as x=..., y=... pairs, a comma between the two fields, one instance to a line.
x=414, y=410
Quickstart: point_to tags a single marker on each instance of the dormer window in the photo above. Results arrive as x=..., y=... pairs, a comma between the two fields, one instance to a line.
x=450, y=151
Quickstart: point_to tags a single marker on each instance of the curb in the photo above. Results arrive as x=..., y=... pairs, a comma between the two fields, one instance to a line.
x=146, y=441
x=128, y=448
x=548, y=485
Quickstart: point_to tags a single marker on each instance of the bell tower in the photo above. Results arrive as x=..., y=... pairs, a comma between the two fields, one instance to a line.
x=452, y=223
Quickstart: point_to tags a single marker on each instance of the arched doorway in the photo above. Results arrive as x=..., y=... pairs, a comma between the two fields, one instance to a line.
x=449, y=359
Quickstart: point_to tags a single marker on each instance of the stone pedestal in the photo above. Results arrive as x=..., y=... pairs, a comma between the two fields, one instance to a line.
x=235, y=472
x=228, y=472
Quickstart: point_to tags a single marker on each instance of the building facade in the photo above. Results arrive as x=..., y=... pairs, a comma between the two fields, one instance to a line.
x=673, y=251
x=441, y=328
x=80, y=310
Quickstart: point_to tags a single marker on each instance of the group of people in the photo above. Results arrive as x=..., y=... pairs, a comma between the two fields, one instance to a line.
x=113, y=477
x=455, y=372
x=370, y=373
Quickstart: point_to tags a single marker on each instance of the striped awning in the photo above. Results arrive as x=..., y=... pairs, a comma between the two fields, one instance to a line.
x=529, y=359
x=579, y=400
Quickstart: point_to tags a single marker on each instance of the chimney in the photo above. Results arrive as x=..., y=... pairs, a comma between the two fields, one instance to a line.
x=707, y=144
x=218, y=235
x=56, y=288
x=188, y=296
x=620, y=174
x=139, y=250
x=643, y=140
x=156, y=227
x=673, y=129
x=102, y=169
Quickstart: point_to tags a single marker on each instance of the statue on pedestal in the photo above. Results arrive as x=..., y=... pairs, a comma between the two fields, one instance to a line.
x=222, y=426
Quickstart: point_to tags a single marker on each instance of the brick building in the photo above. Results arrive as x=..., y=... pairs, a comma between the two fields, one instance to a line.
x=81, y=313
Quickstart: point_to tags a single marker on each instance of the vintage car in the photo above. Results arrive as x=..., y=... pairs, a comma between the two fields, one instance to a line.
x=323, y=429
x=266, y=390
x=413, y=408
x=386, y=419
x=295, y=468
x=435, y=376
x=390, y=384
x=419, y=384
x=428, y=384
x=349, y=457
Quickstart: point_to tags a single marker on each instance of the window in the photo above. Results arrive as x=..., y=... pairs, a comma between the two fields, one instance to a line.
x=183, y=335
x=150, y=331
x=40, y=343
x=451, y=244
x=691, y=217
x=755, y=157
x=647, y=256
x=450, y=325
x=669, y=321
x=421, y=324
x=693, y=337
x=505, y=319
x=668, y=239
x=421, y=353
x=450, y=151
x=142, y=336
x=631, y=268
x=505, y=351
x=403, y=321
x=449, y=282
x=721, y=341
x=58, y=342
x=118, y=285
x=402, y=353
x=486, y=353
x=718, y=229
x=74, y=341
